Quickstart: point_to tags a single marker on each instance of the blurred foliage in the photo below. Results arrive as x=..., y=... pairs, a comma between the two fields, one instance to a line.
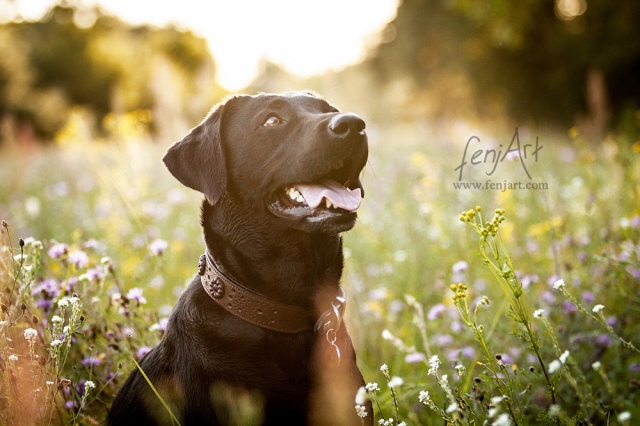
x=530, y=59
x=77, y=57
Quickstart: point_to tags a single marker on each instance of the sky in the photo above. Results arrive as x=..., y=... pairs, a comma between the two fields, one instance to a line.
x=306, y=37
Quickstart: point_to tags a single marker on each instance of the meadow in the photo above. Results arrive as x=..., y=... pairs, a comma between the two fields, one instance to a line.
x=465, y=306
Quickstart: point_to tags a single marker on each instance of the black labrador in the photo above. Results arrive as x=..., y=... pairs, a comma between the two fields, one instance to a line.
x=257, y=337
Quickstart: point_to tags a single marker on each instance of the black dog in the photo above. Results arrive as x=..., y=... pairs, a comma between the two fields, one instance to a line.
x=257, y=337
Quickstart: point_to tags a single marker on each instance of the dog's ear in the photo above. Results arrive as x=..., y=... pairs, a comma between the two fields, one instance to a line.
x=197, y=161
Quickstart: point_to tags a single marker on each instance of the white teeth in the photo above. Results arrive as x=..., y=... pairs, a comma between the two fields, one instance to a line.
x=295, y=195
x=328, y=203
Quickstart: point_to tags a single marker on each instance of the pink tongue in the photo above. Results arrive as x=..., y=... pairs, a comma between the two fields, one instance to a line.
x=332, y=191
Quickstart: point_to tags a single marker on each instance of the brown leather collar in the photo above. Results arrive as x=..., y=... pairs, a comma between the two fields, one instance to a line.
x=263, y=312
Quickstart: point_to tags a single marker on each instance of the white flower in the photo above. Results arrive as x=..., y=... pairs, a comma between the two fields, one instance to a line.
x=395, y=382
x=596, y=365
x=384, y=369
x=360, y=395
x=424, y=397
x=88, y=385
x=105, y=260
x=554, y=410
x=538, y=313
x=13, y=357
x=598, y=308
x=492, y=412
x=56, y=319
x=361, y=412
x=564, y=356
x=502, y=420
x=497, y=400
x=65, y=330
x=452, y=407
x=554, y=366
x=434, y=364
x=56, y=342
x=49, y=383
x=624, y=416
x=460, y=369
x=402, y=424
x=74, y=300
x=558, y=284
x=386, y=334
x=372, y=387
x=63, y=303
x=30, y=334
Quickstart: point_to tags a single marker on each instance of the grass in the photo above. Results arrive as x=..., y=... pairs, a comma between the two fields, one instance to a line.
x=106, y=223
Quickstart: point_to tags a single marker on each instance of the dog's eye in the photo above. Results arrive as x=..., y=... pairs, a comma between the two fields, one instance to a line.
x=273, y=120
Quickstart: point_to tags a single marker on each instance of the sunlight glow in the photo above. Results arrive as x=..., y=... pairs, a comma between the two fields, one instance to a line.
x=306, y=37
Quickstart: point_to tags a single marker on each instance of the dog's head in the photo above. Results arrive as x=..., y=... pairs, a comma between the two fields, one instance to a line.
x=293, y=156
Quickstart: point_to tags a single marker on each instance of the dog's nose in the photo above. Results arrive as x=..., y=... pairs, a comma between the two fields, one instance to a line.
x=345, y=125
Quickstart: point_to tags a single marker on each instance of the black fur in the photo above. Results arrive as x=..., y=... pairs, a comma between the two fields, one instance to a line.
x=214, y=368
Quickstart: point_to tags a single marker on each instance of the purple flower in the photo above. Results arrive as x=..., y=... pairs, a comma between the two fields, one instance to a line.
x=79, y=258
x=635, y=222
x=158, y=246
x=633, y=271
x=141, y=352
x=442, y=339
x=588, y=297
x=634, y=367
x=48, y=287
x=612, y=320
x=414, y=358
x=58, y=250
x=604, y=340
x=136, y=294
x=569, y=306
x=436, y=311
x=91, y=361
x=70, y=283
x=468, y=352
x=45, y=304
x=548, y=297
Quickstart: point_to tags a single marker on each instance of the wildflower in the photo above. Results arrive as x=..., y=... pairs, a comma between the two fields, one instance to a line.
x=502, y=420
x=497, y=399
x=56, y=319
x=63, y=303
x=372, y=387
x=386, y=334
x=360, y=395
x=136, y=294
x=558, y=284
x=434, y=364
x=452, y=407
x=384, y=369
x=414, y=357
x=564, y=356
x=30, y=334
x=596, y=365
x=56, y=343
x=158, y=246
x=58, y=250
x=554, y=410
x=597, y=308
x=106, y=260
x=460, y=266
x=492, y=412
x=79, y=258
x=436, y=311
x=395, y=382
x=91, y=361
x=424, y=397
x=88, y=385
x=554, y=366
x=141, y=352
x=49, y=383
x=624, y=416
x=538, y=313
x=13, y=357
x=460, y=369
x=361, y=412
